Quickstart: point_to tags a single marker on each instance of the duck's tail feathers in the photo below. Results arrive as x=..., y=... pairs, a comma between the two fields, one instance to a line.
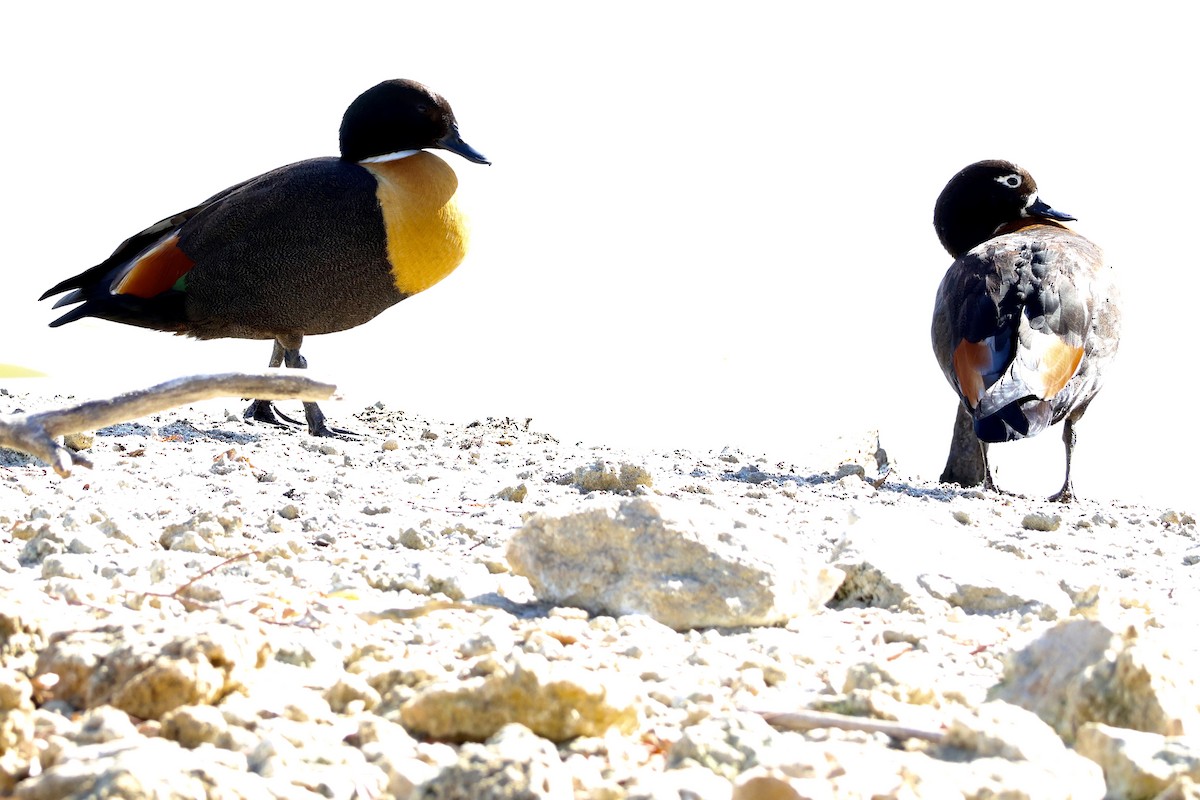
x=162, y=313
x=1019, y=419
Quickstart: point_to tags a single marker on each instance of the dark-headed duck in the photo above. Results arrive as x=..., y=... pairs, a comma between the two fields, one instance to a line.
x=1026, y=319
x=314, y=247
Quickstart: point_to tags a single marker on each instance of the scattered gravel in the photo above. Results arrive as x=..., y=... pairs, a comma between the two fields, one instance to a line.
x=441, y=610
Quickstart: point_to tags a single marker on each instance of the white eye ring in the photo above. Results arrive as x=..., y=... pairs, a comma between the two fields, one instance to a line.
x=1012, y=180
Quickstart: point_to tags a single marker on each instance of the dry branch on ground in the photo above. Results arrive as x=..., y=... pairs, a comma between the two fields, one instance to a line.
x=35, y=433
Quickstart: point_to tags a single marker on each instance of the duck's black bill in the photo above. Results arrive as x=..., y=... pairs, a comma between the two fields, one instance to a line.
x=1041, y=209
x=454, y=144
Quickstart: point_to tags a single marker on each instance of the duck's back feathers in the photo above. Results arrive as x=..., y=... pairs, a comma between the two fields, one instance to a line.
x=1022, y=326
x=300, y=249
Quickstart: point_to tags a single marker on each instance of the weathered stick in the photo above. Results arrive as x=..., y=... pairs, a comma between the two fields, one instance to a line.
x=35, y=433
x=807, y=719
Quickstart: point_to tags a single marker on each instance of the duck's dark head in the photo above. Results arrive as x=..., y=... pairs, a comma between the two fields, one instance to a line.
x=984, y=198
x=397, y=117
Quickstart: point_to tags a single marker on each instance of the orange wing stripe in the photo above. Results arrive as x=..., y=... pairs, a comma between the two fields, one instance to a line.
x=1059, y=363
x=969, y=360
x=156, y=271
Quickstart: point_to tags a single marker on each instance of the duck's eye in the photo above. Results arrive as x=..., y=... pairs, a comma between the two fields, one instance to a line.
x=422, y=109
x=1011, y=181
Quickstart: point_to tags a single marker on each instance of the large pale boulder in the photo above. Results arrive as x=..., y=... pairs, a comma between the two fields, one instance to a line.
x=686, y=566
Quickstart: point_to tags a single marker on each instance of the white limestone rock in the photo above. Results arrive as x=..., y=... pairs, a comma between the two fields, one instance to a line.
x=685, y=566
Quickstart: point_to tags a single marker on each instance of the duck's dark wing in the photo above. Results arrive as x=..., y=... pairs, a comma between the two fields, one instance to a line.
x=274, y=253
x=156, y=263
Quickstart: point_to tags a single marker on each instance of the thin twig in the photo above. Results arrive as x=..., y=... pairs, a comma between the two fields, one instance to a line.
x=35, y=433
x=197, y=605
x=178, y=593
x=808, y=719
x=397, y=614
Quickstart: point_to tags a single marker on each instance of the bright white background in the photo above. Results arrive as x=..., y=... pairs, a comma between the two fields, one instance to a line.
x=706, y=224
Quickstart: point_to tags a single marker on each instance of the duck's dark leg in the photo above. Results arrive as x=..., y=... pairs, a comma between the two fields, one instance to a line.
x=966, y=464
x=988, y=484
x=312, y=412
x=1067, y=493
x=263, y=410
x=287, y=352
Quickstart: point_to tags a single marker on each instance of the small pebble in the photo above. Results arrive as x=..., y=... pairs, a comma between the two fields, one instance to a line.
x=79, y=441
x=1040, y=521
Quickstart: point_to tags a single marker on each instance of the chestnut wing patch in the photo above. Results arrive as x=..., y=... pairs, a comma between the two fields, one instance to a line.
x=1059, y=363
x=155, y=271
x=970, y=360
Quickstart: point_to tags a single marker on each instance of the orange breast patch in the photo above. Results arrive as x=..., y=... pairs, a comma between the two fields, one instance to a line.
x=426, y=233
x=156, y=270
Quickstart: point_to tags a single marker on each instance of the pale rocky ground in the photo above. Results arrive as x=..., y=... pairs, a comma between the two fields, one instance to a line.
x=477, y=610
